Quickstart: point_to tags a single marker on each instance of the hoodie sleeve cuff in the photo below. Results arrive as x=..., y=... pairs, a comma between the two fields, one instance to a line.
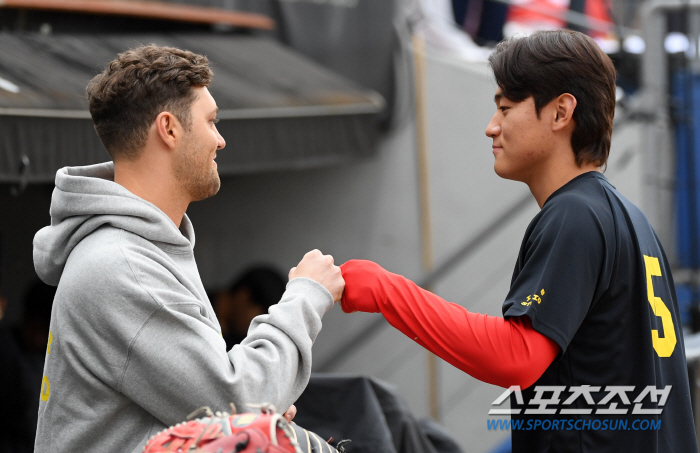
x=314, y=292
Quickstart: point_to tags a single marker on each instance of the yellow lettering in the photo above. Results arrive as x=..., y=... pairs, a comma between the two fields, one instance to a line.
x=244, y=420
x=665, y=345
x=45, y=389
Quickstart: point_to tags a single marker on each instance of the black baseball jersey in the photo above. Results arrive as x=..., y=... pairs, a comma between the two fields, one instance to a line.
x=592, y=276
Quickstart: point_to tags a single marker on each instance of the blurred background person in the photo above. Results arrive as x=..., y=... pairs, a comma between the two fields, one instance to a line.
x=527, y=16
x=482, y=19
x=250, y=295
x=22, y=351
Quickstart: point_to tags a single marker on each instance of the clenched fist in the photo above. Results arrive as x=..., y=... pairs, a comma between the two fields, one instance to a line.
x=319, y=267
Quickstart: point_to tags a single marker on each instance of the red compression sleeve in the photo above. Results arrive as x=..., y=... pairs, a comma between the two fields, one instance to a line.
x=492, y=349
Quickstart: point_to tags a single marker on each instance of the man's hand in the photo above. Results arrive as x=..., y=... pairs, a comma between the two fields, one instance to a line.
x=291, y=412
x=319, y=267
x=367, y=284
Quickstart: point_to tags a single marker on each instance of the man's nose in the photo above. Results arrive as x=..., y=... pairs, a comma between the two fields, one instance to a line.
x=221, y=142
x=493, y=128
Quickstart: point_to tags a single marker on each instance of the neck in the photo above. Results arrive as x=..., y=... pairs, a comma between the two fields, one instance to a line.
x=545, y=181
x=153, y=182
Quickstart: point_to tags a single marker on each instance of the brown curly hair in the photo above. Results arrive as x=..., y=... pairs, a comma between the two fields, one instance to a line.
x=136, y=87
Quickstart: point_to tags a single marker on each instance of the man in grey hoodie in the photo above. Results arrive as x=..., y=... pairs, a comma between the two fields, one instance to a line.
x=134, y=343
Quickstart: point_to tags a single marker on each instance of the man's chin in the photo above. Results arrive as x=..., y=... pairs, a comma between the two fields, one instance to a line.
x=500, y=171
x=211, y=190
x=506, y=172
x=214, y=189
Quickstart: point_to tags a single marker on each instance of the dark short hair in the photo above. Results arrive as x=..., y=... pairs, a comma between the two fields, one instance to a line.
x=265, y=283
x=547, y=64
x=136, y=87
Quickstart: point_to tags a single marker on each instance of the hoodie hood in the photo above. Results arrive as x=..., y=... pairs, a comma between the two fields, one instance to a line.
x=87, y=198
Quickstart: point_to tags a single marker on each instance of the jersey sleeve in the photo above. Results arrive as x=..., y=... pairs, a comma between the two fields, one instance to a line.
x=561, y=269
x=489, y=348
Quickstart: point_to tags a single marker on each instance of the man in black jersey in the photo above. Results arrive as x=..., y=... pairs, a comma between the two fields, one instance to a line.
x=608, y=297
x=591, y=331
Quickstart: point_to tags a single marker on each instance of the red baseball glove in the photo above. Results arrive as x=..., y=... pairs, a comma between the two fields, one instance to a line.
x=267, y=432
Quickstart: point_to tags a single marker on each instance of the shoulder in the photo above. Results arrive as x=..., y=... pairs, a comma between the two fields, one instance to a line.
x=579, y=215
x=98, y=286
x=109, y=260
x=107, y=248
x=570, y=211
x=582, y=201
x=96, y=252
x=587, y=193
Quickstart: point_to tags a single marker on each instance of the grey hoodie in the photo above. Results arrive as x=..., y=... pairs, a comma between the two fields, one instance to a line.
x=134, y=344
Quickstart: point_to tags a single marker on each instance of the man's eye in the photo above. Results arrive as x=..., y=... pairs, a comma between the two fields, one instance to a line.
x=215, y=120
x=503, y=108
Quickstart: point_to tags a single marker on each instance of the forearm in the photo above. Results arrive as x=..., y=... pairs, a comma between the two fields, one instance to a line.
x=492, y=349
x=178, y=362
x=489, y=348
x=282, y=340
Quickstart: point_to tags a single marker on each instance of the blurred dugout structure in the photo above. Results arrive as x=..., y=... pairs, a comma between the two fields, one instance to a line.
x=284, y=110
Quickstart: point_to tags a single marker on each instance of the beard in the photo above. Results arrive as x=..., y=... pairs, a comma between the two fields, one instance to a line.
x=195, y=171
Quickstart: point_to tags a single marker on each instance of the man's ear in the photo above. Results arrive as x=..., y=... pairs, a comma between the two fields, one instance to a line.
x=564, y=106
x=168, y=129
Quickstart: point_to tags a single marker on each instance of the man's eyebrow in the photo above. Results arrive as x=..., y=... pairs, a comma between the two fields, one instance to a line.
x=497, y=98
x=215, y=111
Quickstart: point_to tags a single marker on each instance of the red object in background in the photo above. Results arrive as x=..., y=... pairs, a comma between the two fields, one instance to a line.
x=530, y=14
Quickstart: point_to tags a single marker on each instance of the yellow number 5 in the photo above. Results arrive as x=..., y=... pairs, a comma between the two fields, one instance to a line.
x=663, y=346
